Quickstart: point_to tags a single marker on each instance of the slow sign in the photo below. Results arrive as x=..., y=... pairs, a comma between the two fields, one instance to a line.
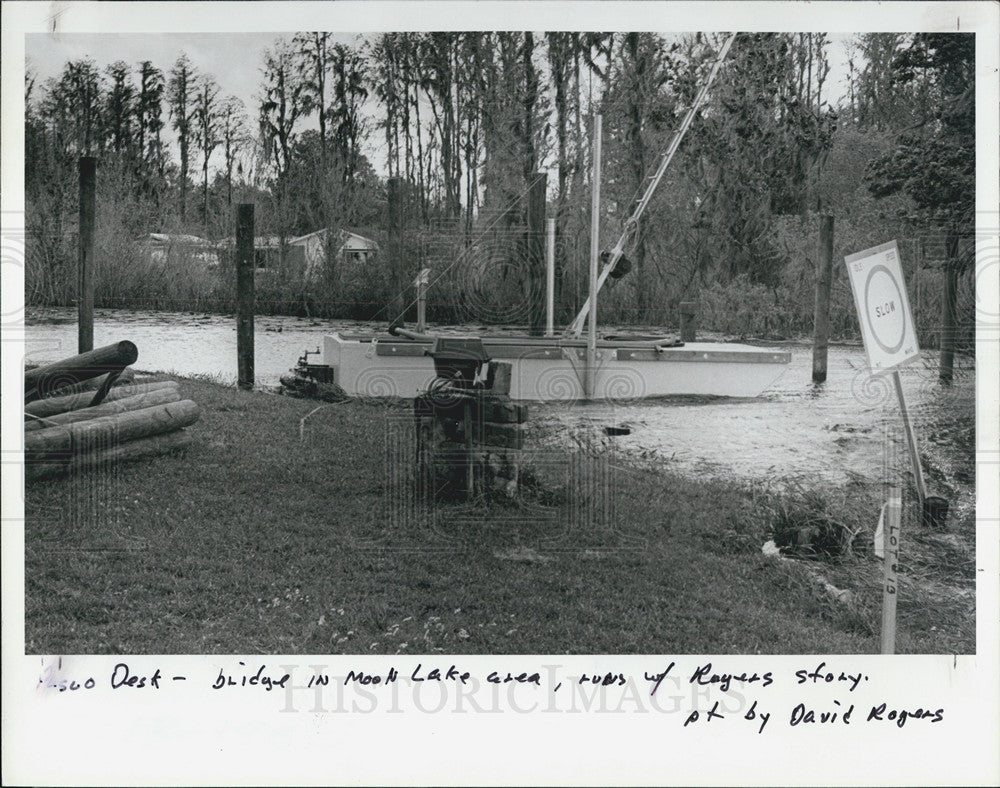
x=883, y=308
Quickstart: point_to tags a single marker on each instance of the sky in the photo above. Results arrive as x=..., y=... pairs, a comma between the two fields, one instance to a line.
x=236, y=60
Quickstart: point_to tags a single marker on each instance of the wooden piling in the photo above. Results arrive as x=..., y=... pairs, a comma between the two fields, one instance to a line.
x=50, y=378
x=821, y=312
x=93, y=384
x=108, y=457
x=66, y=440
x=85, y=278
x=244, y=295
x=397, y=228
x=147, y=399
x=689, y=320
x=43, y=408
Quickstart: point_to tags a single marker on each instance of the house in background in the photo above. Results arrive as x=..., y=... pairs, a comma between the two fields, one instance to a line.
x=176, y=249
x=266, y=251
x=306, y=253
x=349, y=248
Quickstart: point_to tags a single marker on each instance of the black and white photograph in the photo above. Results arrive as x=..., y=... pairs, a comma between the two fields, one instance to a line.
x=430, y=344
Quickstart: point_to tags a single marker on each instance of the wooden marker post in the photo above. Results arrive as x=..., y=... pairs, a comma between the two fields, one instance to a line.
x=821, y=313
x=890, y=586
x=244, y=295
x=595, y=251
x=85, y=279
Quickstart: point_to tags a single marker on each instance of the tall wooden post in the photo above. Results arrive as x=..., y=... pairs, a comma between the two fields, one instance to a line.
x=595, y=250
x=535, y=247
x=85, y=281
x=689, y=320
x=397, y=220
x=244, y=294
x=821, y=313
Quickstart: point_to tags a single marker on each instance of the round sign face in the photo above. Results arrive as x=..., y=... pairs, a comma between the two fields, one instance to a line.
x=884, y=306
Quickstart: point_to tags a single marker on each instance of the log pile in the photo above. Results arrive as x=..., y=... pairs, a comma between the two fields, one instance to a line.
x=98, y=418
x=469, y=441
x=107, y=361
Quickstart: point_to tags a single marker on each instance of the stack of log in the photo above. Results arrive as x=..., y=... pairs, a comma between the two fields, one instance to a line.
x=469, y=441
x=86, y=413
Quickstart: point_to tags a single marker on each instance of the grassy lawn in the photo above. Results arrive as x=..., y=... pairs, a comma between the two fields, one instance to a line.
x=264, y=538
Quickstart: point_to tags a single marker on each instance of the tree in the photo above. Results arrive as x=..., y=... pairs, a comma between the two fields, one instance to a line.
x=233, y=134
x=285, y=100
x=149, y=124
x=120, y=106
x=876, y=99
x=934, y=160
x=560, y=50
x=638, y=115
x=74, y=104
x=181, y=90
x=349, y=93
x=438, y=53
x=756, y=150
x=206, y=117
x=315, y=53
x=385, y=77
x=283, y=103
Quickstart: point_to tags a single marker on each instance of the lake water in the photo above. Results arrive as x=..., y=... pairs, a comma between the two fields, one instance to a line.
x=795, y=430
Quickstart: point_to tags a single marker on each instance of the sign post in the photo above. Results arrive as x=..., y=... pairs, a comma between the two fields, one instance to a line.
x=887, y=327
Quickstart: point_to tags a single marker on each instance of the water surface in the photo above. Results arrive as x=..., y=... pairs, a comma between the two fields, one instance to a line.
x=795, y=430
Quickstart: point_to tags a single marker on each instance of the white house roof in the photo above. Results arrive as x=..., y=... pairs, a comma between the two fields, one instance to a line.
x=350, y=240
x=166, y=238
